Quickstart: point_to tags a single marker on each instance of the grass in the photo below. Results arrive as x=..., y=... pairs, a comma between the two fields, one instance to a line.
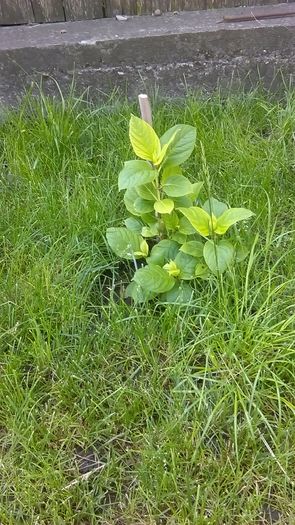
x=151, y=415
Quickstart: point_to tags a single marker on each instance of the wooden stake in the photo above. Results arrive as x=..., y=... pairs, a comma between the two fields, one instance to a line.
x=145, y=109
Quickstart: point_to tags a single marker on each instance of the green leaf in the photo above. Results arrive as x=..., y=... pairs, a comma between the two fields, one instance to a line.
x=135, y=173
x=186, y=227
x=178, y=237
x=194, y=248
x=144, y=249
x=164, y=206
x=182, y=144
x=142, y=206
x=214, y=206
x=177, y=186
x=186, y=264
x=171, y=221
x=164, y=151
x=183, y=202
x=133, y=224
x=170, y=171
x=137, y=293
x=230, y=217
x=218, y=257
x=181, y=293
x=202, y=271
x=147, y=192
x=145, y=142
x=130, y=197
x=126, y=244
x=199, y=219
x=150, y=231
x=148, y=218
x=154, y=279
x=163, y=252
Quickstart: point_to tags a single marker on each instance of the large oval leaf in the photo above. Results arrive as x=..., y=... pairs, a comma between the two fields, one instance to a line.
x=135, y=173
x=147, y=192
x=164, y=151
x=130, y=197
x=183, y=202
x=186, y=227
x=150, y=231
x=186, y=264
x=170, y=171
x=126, y=244
x=137, y=293
x=218, y=257
x=163, y=252
x=154, y=279
x=145, y=142
x=230, y=217
x=199, y=219
x=177, y=186
x=181, y=293
x=178, y=237
x=194, y=248
x=202, y=271
x=171, y=221
x=182, y=145
x=133, y=224
x=142, y=206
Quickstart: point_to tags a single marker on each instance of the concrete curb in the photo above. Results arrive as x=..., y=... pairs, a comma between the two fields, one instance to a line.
x=192, y=50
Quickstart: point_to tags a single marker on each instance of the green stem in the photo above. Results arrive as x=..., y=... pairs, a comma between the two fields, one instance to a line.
x=158, y=215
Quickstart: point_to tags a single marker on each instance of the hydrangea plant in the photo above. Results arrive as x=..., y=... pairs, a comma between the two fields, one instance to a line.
x=171, y=236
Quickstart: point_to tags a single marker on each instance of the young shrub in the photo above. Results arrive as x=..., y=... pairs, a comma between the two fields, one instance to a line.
x=175, y=240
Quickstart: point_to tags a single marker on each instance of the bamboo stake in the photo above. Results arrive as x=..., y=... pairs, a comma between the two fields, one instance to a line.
x=145, y=109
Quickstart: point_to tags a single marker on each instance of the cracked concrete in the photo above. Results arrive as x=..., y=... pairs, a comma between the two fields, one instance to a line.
x=193, y=50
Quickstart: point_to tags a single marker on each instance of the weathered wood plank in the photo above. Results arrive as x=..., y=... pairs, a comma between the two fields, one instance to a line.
x=113, y=7
x=146, y=7
x=48, y=10
x=83, y=9
x=194, y=5
x=27, y=11
x=16, y=12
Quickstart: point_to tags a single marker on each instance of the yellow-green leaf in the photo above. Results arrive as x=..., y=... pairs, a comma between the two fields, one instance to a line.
x=144, y=249
x=165, y=149
x=199, y=219
x=172, y=269
x=164, y=206
x=230, y=217
x=145, y=142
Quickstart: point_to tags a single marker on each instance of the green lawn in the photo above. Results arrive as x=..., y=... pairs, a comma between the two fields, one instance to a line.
x=113, y=414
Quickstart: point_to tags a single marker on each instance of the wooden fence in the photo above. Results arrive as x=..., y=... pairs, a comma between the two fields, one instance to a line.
x=38, y=11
